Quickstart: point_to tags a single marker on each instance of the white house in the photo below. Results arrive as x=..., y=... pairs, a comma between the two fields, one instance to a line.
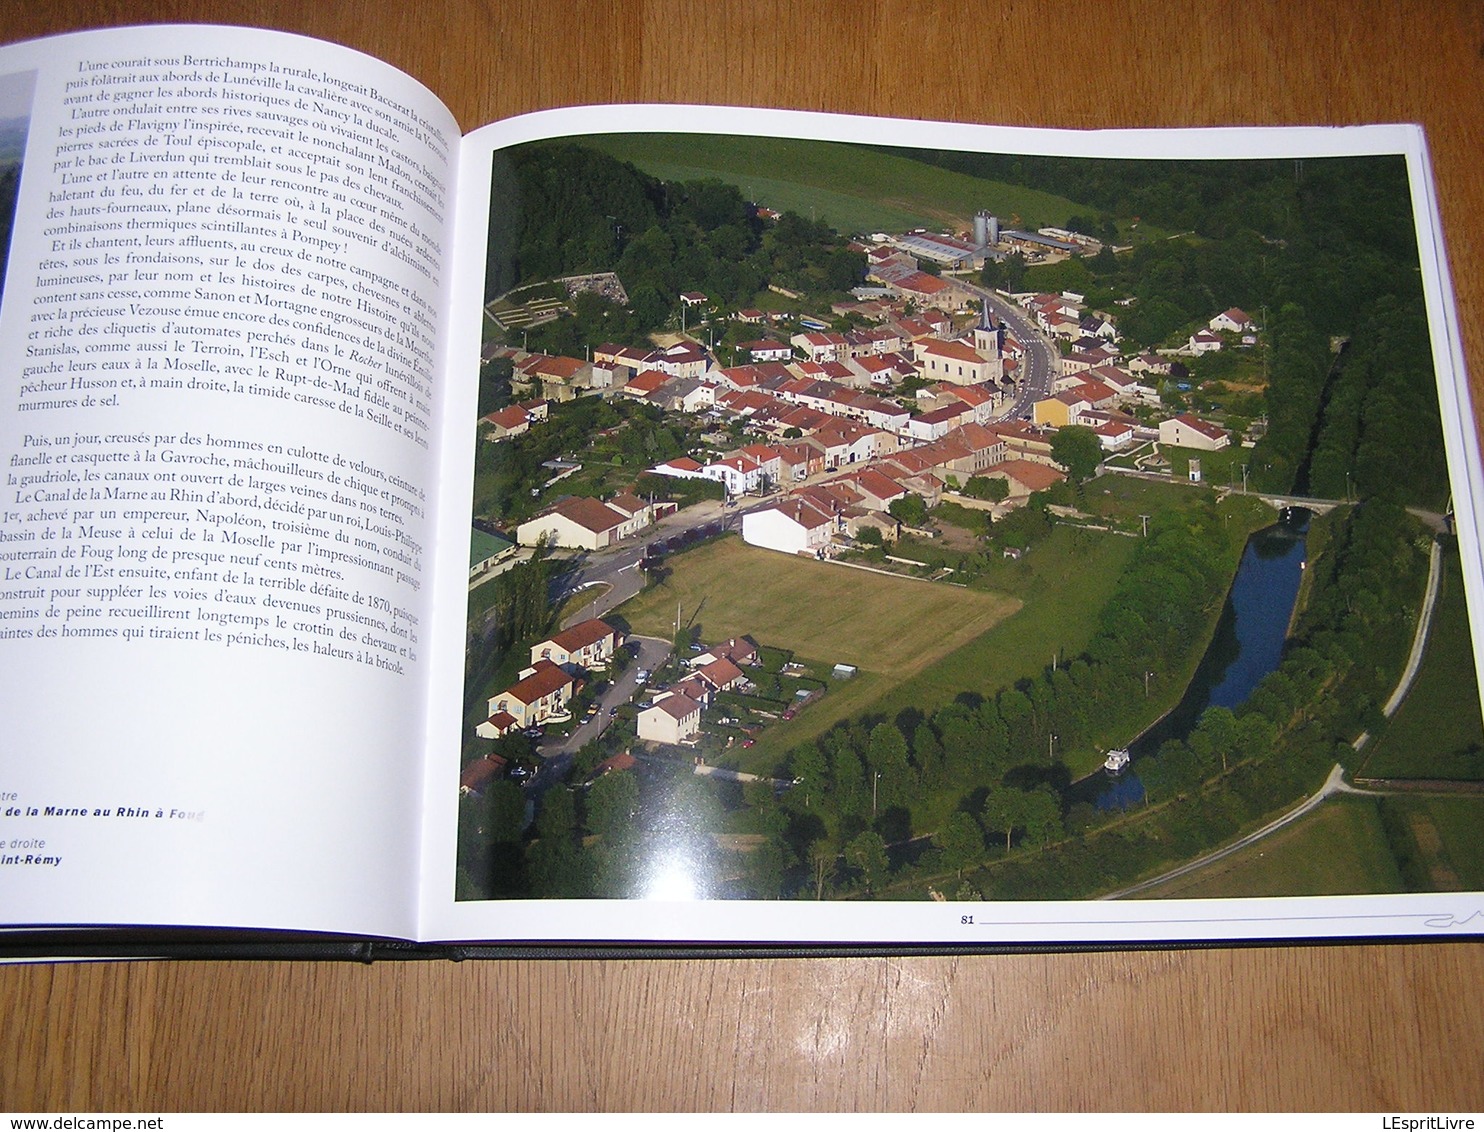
x=576, y=521
x=766, y=350
x=794, y=526
x=1234, y=320
x=588, y=644
x=1203, y=342
x=739, y=474
x=1186, y=431
x=673, y=719
x=541, y=694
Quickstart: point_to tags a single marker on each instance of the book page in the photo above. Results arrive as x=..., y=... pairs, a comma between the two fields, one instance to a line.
x=908, y=533
x=219, y=334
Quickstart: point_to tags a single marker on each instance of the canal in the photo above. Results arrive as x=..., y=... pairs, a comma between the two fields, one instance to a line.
x=1247, y=645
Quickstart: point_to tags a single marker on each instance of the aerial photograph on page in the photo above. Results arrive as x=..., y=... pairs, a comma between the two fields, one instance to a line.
x=869, y=523
x=16, y=91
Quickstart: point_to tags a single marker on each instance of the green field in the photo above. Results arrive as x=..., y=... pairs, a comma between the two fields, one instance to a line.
x=1437, y=733
x=1338, y=849
x=1441, y=836
x=1064, y=582
x=916, y=644
x=891, y=626
x=853, y=188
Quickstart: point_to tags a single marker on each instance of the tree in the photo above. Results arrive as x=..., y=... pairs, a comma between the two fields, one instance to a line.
x=766, y=866
x=556, y=865
x=909, y=509
x=867, y=852
x=961, y=842
x=494, y=385
x=887, y=758
x=612, y=802
x=927, y=752
x=1076, y=448
x=1042, y=814
x=1004, y=809
x=822, y=859
x=810, y=770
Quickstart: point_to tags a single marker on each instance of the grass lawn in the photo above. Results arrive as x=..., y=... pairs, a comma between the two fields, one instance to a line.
x=887, y=625
x=1339, y=849
x=890, y=628
x=1445, y=834
x=853, y=188
x=1436, y=733
x=1064, y=582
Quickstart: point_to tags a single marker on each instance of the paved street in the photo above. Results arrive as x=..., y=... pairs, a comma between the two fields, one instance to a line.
x=1038, y=366
x=557, y=754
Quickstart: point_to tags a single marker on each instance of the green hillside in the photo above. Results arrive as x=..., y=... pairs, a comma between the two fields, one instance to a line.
x=853, y=188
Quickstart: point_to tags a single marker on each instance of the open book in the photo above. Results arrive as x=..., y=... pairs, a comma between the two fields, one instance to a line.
x=704, y=526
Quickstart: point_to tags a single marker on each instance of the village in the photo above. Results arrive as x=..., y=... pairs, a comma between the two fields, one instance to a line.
x=942, y=390
x=946, y=388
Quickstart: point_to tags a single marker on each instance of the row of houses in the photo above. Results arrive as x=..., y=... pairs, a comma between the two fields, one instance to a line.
x=811, y=518
x=556, y=673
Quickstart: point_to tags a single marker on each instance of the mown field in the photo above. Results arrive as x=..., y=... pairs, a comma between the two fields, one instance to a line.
x=852, y=188
x=1437, y=731
x=891, y=626
x=1340, y=848
x=1437, y=838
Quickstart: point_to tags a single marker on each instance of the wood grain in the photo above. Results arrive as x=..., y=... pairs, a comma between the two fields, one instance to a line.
x=1389, y=1027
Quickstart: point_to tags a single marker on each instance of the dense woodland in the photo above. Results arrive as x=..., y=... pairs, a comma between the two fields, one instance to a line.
x=559, y=209
x=1319, y=251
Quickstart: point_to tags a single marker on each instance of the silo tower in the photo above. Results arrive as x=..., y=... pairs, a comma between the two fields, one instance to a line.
x=986, y=229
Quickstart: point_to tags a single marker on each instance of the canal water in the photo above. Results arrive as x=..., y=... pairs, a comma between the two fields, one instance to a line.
x=1248, y=644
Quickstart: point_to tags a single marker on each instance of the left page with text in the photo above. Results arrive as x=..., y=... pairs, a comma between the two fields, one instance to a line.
x=219, y=356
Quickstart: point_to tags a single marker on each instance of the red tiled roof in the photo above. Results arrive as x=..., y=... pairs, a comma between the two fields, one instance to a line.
x=941, y=416
x=1205, y=428
x=648, y=381
x=558, y=367
x=922, y=283
x=588, y=513
x=512, y=417
x=480, y=771
x=1033, y=476
x=720, y=673
x=678, y=706
x=627, y=503
x=958, y=351
x=621, y=761
x=581, y=635
x=547, y=678
x=969, y=394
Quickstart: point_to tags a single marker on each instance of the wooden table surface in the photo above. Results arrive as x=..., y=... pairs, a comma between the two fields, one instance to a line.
x=1390, y=1027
